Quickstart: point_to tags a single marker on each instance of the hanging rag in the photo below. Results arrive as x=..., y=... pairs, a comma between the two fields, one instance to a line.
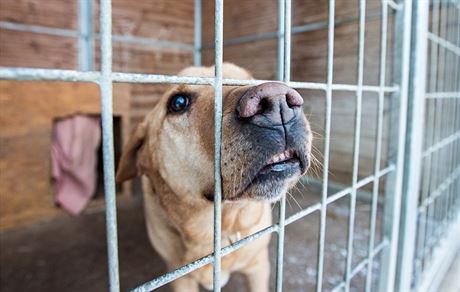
x=74, y=158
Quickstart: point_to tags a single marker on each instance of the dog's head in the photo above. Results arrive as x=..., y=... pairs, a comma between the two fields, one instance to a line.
x=266, y=140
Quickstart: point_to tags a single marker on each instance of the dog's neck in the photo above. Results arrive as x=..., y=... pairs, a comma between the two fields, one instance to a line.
x=190, y=218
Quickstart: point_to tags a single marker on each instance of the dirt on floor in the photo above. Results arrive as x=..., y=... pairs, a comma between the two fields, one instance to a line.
x=69, y=254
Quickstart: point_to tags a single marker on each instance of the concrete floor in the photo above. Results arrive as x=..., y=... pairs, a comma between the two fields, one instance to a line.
x=69, y=254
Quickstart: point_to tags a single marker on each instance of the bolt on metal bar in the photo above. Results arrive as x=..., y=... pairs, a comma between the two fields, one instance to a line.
x=107, y=143
x=218, y=60
x=356, y=144
x=327, y=136
x=378, y=142
x=197, y=37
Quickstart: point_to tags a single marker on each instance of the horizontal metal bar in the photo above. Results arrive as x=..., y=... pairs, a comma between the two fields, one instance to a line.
x=443, y=43
x=116, y=38
x=10, y=73
x=39, y=29
x=438, y=192
x=299, y=215
x=184, y=270
x=143, y=41
x=359, y=184
x=454, y=94
x=360, y=266
x=443, y=143
x=48, y=75
x=171, y=276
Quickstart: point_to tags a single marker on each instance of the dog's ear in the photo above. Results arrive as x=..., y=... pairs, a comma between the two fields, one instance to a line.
x=127, y=168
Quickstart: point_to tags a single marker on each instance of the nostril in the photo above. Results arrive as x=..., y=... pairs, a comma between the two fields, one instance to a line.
x=263, y=105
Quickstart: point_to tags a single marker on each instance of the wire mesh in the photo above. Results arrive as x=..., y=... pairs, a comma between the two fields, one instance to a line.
x=438, y=202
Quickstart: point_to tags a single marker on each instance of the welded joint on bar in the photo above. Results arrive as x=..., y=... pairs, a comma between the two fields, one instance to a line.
x=438, y=192
x=444, y=43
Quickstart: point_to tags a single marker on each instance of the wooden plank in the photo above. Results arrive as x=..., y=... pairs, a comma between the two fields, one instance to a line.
x=159, y=19
x=50, y=13
x=23, y=49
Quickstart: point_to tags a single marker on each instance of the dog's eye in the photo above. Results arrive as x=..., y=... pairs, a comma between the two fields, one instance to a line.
x=179, y=103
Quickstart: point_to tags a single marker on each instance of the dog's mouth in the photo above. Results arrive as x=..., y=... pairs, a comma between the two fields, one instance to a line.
x=280, y=163
x=272, y=174
x=279, y=167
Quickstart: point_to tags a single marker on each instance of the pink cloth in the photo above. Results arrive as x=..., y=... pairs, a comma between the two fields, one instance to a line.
x=74, y=161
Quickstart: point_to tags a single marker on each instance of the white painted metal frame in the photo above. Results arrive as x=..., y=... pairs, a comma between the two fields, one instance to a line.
x=404, y=169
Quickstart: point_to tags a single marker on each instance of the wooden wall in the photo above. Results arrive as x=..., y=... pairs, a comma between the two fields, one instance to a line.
x=141, y=18
x=173, y=21
x=22, y=199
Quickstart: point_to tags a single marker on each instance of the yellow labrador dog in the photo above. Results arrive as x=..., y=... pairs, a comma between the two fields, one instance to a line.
x=266, y=142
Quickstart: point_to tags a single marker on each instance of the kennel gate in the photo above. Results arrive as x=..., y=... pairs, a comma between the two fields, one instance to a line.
x=423, y=174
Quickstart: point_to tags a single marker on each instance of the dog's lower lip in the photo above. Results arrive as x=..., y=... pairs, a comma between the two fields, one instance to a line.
x=279, y=166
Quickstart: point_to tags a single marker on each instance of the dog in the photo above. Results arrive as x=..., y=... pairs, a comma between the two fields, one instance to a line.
x=266, y=145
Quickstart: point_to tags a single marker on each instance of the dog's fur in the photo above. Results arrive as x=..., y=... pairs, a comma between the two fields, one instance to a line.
x=174, y=153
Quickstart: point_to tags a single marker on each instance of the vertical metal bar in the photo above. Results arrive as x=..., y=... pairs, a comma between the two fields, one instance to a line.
x=282, y=210
x=197, y=38
x=413, y=147
x=327, y=136
x=429, y=137
x=86, y=35
x=281, y=36
x=219, y=32
x=378, y=142
x=398, y=115
x=107, y=142
x=357, y=126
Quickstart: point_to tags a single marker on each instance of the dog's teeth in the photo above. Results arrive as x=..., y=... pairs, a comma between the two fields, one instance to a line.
x=282, y=157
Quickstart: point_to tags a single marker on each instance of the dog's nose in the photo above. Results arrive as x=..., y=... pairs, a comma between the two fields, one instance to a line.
x=270, y=103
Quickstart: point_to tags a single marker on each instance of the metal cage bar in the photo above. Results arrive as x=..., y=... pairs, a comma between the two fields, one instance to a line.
x=105, y=84
x=327, y=135
x=356, y=143
x=219, y=35
x=439, y=194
